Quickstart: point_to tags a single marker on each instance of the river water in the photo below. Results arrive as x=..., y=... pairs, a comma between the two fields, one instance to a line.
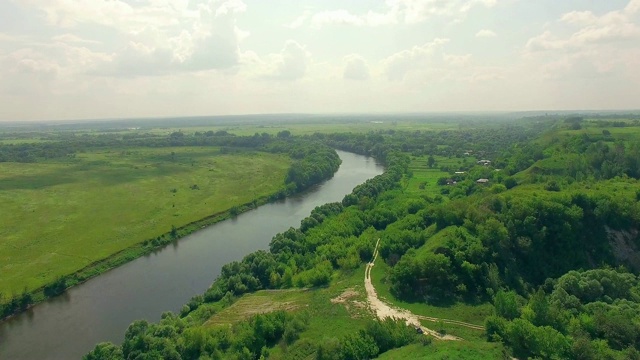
x=70, y=325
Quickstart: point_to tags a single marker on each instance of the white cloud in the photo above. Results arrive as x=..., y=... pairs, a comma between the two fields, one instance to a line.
x=485, y=33
x=456, y=60
x=114, y=13
x=399, y=64
x=355, y=68
x=339, y=17
x=396, y=11
x=545, y=41
x=584, y=45
x=73, y=39
x=344, y=17
x=168, y=56
x=471, y=3
x=192, y=40
x=291, y=63
x=299, y=21
x=579, y=17
x=633, y=7
x=613, y=26
x=231, y=7
x=11, y=38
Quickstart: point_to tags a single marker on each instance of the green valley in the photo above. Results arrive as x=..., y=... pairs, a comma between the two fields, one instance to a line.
x=539, y=260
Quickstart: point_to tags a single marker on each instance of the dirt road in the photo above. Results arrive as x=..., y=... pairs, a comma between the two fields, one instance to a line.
x=383, y=310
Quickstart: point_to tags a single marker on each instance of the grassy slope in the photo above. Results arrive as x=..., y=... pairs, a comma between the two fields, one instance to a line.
x=474, y=346
x=442, y=350
x=474, y=314
x=61, y=216
x=422, y=174
x=333, y=320
x=327, y=319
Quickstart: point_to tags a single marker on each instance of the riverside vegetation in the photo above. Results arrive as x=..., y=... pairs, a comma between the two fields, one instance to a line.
x=94, y=202
x=541, y=259
x=543, y=255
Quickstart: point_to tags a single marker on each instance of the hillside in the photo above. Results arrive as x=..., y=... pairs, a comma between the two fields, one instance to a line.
x=537, y=261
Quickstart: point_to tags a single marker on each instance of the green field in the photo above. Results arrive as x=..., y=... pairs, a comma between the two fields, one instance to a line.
x=60, y=216
x=424, y=180
x=448, y=350
x=296, y=128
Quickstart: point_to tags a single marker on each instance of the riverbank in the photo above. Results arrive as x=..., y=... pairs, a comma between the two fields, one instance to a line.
x=143, y=248
x=63, y=215
x=54, y=288
x=100, y=309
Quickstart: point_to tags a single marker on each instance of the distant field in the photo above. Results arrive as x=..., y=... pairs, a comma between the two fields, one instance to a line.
x=58, y=217
x=425, y=179
x=296, y=128
x=21, y=141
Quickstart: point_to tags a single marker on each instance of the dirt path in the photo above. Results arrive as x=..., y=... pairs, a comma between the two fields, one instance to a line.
x=382, y=310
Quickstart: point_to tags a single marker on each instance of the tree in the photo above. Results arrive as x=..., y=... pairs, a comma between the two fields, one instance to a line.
x=431, y=162
x=284, y=134
x=506, y=304
x=105, y=351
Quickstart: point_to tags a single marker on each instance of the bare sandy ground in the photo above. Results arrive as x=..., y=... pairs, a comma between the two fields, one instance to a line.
x=383, y=310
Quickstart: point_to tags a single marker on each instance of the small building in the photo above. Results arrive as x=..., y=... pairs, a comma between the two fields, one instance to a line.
x=484, y=162
x=482, y=181
x=459, y=172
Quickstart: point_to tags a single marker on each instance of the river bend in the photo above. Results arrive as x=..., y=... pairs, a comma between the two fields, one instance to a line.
x=70, y=325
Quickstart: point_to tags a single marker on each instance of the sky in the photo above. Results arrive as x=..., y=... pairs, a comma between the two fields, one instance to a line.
x=86, y=59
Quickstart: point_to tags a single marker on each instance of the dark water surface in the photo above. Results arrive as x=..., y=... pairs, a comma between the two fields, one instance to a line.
x=68, y=326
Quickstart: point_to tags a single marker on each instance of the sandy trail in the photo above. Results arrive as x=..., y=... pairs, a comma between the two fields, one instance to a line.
x=382, y=310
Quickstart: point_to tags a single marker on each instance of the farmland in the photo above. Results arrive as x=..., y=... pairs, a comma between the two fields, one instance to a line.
x=60, y=216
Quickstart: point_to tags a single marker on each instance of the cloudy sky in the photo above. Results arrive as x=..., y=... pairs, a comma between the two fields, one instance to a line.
x=71, y=59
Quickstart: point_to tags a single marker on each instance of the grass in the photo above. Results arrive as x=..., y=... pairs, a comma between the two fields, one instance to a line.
x=449, y=350
x=59, y=217
x=334, y=311
x=424, y=180
x=307, y=127
x=260, y=302
x=473, y=314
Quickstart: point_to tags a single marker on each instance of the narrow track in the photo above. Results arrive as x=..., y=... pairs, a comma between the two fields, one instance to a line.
x=383, y=310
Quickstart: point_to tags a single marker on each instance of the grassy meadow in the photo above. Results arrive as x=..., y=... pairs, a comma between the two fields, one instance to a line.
x=340, y=309
x=424, y=180
x=60, y=216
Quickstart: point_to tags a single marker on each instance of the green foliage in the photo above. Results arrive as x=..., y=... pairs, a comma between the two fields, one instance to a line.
x=317, y=162
x=170, y=339
x=517, y=243
x=105, y=351
x=590, y=314
x=377, y=337
x=507, y=305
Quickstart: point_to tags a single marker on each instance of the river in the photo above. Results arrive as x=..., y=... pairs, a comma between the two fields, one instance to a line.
x=70, y=325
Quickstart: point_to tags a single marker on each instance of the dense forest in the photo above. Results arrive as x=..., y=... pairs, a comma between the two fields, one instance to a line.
x=537, y=217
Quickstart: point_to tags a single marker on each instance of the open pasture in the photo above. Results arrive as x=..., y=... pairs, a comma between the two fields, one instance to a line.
x=60, y=216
